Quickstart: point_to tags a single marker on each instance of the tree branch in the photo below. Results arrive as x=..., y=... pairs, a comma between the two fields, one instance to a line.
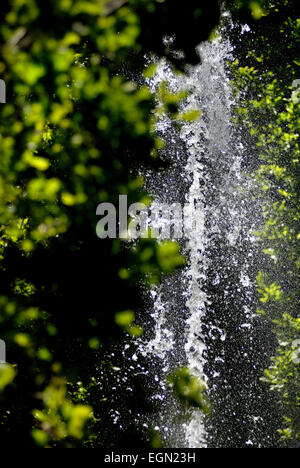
x=113, y=5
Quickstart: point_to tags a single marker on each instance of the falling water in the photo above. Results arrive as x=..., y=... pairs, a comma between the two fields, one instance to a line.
x=207, y=137
x=205, y=316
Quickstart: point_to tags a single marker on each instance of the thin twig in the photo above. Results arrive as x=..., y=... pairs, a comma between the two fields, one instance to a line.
x=113, y=5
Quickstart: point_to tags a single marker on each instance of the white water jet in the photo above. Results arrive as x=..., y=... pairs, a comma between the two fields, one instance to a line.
x=213, y=205
x=206, y=137
x=163, y=340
